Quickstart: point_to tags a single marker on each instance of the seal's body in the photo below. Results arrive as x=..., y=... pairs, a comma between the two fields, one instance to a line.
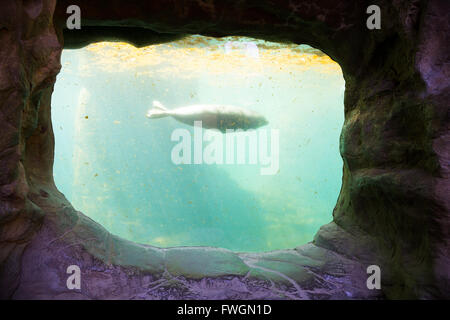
x=220, y=117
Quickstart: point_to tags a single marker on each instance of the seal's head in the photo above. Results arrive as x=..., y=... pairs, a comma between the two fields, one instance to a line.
x=263, y=121
x=258, y=121
x=254, y=121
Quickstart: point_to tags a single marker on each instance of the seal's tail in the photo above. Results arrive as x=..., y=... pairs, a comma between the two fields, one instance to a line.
x=158, y=111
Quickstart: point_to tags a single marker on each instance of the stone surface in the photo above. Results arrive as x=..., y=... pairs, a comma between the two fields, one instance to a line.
x=394, y=205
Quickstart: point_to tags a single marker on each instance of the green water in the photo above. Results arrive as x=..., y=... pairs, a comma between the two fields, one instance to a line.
x=115, y=165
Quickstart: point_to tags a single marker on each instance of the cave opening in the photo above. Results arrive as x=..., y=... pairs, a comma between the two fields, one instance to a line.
x=116, y=166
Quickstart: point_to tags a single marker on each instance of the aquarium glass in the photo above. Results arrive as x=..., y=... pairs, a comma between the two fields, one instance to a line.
x=116, y=165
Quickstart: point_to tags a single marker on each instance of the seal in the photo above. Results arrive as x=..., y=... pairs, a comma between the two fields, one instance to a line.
x=220, y=117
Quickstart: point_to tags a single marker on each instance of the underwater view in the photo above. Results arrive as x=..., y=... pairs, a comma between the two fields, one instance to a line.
x=138, y=176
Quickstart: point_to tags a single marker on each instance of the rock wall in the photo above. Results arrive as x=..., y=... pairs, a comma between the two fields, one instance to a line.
x=394, y=206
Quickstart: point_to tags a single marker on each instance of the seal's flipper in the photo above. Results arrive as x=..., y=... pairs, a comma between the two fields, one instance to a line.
x=158, y=111
x=158, y=105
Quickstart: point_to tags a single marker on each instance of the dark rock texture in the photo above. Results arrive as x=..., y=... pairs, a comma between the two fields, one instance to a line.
x=394, y=206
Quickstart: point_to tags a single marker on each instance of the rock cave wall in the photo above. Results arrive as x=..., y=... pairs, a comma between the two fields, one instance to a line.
x=394, y=205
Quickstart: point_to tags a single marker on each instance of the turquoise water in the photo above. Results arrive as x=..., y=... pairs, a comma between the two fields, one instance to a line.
x=115, y=165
